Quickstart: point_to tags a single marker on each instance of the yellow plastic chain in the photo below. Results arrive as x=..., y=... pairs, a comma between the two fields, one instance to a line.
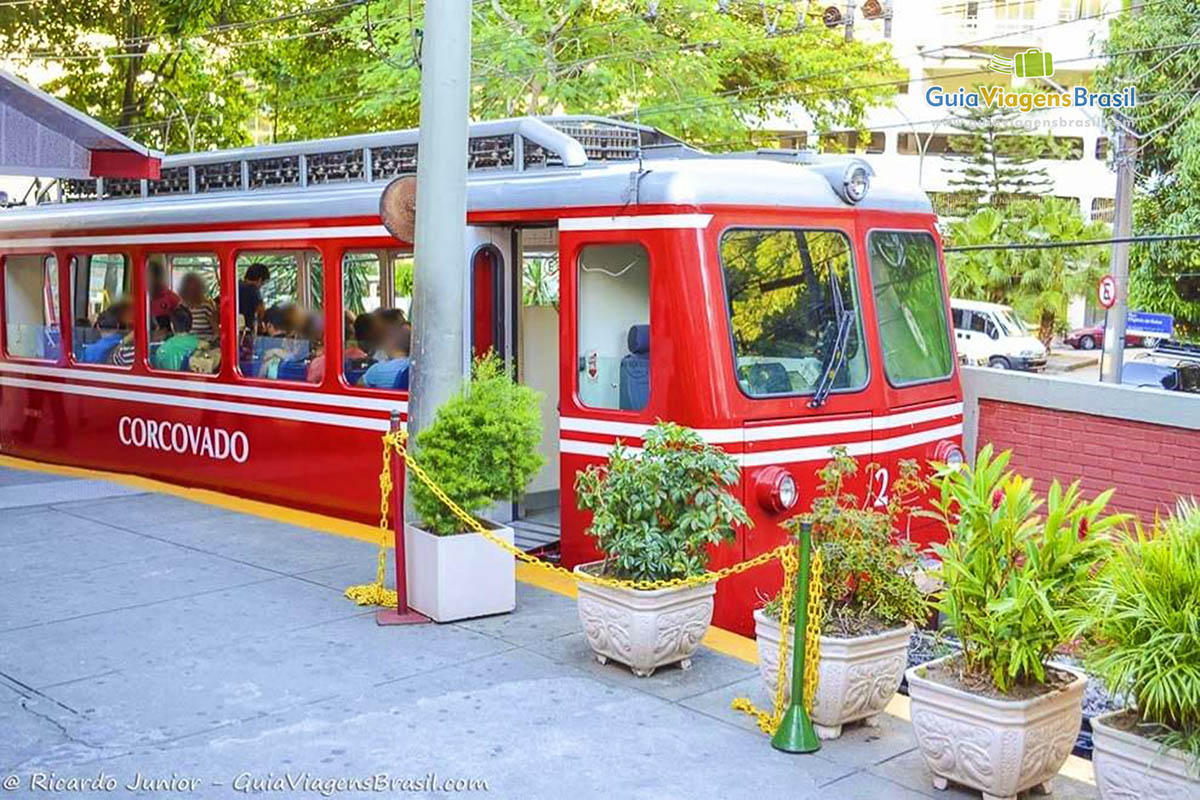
x=377, y=594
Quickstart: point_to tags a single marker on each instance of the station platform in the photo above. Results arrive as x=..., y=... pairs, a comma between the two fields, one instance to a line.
x=145, y=637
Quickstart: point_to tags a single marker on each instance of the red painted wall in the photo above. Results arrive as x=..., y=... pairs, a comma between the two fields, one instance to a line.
x=1149, y=465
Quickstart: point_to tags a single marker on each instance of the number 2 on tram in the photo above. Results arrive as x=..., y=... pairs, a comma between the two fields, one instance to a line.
x=779, y=303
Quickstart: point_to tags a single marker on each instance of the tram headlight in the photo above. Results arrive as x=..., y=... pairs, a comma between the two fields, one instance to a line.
x=856, y=182
x=949, y=453
x=776, y=490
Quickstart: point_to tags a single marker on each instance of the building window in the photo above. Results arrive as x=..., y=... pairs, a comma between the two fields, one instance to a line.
x=183, y=294
x=794, y=140
x=31, y=307
x=1102, y=209
x=614, y=336
x=789, y=291
x=910, y=144
x=102, y=308
x=910, y=303
x=1102, y=149
x=280, y=324
x=852, y=142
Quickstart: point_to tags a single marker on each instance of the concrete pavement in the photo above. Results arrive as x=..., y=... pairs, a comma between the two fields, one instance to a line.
x=144, y=637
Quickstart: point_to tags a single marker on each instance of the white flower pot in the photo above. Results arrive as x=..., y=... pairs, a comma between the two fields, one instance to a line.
x=1132, y=767
x=1000, y=747
x=857, y=676
x=459, y=576
x=644, y=629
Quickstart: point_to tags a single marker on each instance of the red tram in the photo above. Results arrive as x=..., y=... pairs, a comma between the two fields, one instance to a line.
x=778, y=302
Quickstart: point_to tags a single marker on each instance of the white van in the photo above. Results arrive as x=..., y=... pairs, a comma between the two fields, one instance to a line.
x=991, y=334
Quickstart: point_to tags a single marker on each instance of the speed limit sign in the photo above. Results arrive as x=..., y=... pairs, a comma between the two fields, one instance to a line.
x=1106, y=293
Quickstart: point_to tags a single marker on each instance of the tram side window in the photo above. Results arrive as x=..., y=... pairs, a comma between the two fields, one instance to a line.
x=102, y=308
x=31, y=306
x=377, y=336
x=791, y=296
x=910, y=302
x=183, y=322
x=614, y=326
x=281, y=329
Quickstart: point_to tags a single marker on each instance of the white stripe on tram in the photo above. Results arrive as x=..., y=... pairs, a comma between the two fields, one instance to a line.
x=635, y=222
x=790, y=430
x=793, y=455
x=211, y=387
x=203, y=403
x=189, y=237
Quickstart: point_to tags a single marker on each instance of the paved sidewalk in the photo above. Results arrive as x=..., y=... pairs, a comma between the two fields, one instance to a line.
x=142, y=634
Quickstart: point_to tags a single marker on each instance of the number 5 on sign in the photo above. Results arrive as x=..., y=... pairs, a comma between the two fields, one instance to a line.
x=1106, y=292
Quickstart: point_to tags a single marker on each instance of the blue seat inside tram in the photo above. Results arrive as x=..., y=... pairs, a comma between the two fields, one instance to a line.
x=294, y=369
x=53, y=344
x=250, y=367
x=354, y=371
x=635, y=370
x=401, y=381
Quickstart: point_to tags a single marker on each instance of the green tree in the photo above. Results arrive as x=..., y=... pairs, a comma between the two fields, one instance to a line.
x=997, y=156
x=1140, y=51
x=1037, y=282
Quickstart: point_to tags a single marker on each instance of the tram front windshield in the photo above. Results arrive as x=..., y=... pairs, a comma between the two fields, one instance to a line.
x=788, y=292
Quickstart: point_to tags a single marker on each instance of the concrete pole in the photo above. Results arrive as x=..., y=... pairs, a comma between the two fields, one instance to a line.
x=441, y=219
x=1112, y=361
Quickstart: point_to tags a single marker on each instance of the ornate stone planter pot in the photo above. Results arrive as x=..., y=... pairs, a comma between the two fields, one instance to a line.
x=857, y=675
x=1000, y=747
x=459, y=576
x=1132, y=767
x=644, y=630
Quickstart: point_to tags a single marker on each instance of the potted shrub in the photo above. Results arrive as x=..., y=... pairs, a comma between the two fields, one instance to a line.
x=869, y=597
x=1144, y=643
x=481, y=448
x=654, y=513
x=997, y=716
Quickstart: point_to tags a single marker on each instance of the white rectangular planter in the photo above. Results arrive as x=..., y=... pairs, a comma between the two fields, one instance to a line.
x=1000, y=747
x=459, y=576
x=857, y=676
x=644, y=629
x=1132, y=767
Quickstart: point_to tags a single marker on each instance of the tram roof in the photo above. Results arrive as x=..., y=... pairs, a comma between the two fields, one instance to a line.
x=516, y=165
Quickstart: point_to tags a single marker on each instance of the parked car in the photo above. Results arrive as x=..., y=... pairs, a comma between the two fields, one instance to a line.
x=1093, y=337
x=1175, y=366
x=991, y=334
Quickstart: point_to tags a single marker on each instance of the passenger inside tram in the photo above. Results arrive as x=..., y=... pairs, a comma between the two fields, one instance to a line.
x=113, y=325
x=250, y=301
x=162, y=299
x=173, y=353
x=391, y=372
x=193, y=294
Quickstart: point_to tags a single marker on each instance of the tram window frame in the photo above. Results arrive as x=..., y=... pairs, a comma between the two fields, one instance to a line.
x=944, y=298
x=389, y=261
x=302, y=296
x=49, y=264
x=580, y=353
x=169, y=255
x=125, y=291
x=856, y=294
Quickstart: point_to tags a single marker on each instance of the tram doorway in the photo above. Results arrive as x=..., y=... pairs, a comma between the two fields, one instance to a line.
x=535, y=281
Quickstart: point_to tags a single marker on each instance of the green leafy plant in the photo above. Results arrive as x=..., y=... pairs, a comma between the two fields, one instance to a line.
x=1143, y=620
x=481, y=448
x=655, y=512
x=1014, y=581
x=867, y=560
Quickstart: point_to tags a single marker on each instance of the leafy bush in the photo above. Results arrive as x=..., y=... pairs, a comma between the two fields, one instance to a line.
x=654, y=513
x=1144, y=615
x=482, y=446
x=1014, y=582
x=867, y=562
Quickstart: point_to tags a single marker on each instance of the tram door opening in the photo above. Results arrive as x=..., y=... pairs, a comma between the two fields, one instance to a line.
x=535, y=286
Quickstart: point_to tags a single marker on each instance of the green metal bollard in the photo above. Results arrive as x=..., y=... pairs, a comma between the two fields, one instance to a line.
x=796, y=734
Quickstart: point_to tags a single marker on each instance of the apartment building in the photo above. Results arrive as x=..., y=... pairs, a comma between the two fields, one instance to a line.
x=949, y=43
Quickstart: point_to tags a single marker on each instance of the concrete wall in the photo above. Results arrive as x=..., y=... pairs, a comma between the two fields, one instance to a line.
x=1145, y=443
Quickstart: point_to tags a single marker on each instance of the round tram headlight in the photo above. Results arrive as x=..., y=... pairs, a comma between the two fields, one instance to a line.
x=856, y=182
x=776, y=490
x=949, y=453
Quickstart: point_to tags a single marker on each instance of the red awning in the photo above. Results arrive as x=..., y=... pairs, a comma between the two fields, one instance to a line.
x=41, y=136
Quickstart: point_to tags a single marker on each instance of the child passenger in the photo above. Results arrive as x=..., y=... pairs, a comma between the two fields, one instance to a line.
x=383, y=374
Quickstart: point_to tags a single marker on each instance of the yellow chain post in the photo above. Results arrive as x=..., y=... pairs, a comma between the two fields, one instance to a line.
x=377, y=594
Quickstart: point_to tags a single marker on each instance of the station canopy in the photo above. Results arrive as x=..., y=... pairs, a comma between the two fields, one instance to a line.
x=41, y=136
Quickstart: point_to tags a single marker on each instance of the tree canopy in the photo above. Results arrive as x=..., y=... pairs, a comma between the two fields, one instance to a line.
x=216, y=71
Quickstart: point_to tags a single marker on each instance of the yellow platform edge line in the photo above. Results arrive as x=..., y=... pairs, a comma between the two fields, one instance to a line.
x=718, y=639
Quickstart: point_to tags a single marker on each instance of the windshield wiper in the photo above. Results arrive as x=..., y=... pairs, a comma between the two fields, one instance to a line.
x=837, y=354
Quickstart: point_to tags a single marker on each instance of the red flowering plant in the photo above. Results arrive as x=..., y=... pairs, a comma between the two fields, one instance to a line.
x=868, y=562
x=1015, y=567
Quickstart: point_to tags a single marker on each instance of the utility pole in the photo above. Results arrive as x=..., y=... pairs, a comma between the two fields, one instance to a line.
x=1112, y=360
x=440, y=260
